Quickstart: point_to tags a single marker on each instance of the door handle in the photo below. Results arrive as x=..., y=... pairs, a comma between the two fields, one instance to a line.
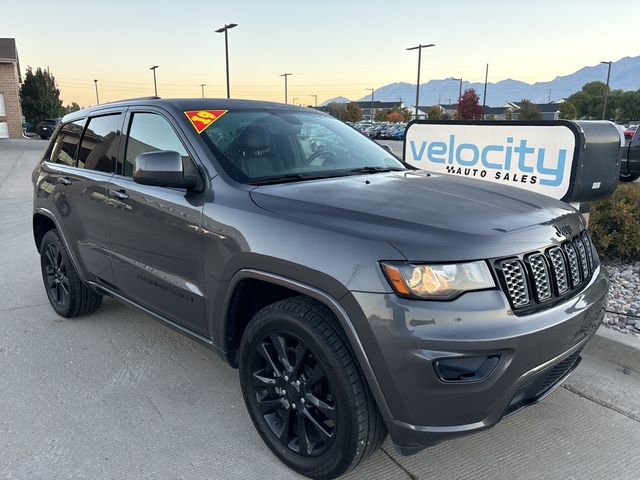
x=118, y=194
x=64, y=180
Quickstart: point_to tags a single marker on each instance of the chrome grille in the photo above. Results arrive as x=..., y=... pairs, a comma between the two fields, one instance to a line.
x=559, y=269
x=582, y=254
x=541, y=282
x=514, y=277
x=573, y=264
x=537, y=277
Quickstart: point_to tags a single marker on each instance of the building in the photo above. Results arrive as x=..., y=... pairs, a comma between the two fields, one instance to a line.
x=549, y=111
x=10, y=80
x=366, y=106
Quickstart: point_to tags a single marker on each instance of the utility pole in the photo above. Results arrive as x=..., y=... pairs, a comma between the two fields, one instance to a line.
x=155, y=85
x=202, y=85
x=316, y=97
x=606, y=92
x=226, y=50
x=285, y=75
x=371, y=109
x=97, y=98
x=484, y=96
x=419, y=48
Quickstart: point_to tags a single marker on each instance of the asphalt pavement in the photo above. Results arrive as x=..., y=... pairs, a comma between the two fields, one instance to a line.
x=116, y=395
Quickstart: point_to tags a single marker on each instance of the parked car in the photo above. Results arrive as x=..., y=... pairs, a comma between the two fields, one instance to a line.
x=45, y=128
x=630, y=158
x=356, y=294
x=630, y=131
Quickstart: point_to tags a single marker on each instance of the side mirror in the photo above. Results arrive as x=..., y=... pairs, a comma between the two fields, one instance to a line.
x=162, y=168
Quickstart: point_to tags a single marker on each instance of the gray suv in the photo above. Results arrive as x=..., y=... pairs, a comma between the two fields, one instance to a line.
x=356, y=294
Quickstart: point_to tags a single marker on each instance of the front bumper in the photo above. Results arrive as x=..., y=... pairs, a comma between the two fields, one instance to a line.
x=405, y=340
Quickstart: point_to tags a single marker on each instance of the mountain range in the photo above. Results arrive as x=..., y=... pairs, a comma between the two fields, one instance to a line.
x=625, y=75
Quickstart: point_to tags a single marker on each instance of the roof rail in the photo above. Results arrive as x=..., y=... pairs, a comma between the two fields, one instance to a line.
x=152, y=97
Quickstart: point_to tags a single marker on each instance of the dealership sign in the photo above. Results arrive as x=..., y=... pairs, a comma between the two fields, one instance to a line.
x=536, y=156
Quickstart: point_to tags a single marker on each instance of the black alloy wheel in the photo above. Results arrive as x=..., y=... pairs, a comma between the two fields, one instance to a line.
x=56, y=279
x=294, y=394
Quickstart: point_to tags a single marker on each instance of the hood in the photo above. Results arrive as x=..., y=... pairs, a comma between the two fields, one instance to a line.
x=426, y=217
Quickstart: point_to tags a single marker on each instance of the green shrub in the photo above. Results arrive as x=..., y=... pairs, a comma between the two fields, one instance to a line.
x=615, y=223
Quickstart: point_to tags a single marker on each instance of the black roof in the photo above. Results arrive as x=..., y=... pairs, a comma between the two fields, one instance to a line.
x=378, y=104
x=187, y=104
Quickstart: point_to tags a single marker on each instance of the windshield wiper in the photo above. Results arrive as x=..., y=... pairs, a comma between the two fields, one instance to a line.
x=294, y=177
x=376, y=169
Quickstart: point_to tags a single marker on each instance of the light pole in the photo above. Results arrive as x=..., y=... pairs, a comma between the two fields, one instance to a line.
x=202, y=85
x=419, y=48
x=484, y=96
x=155, y=85
x=372, y=92
x=285, y=75
x=606, y=92
x=226, y=50
x=97, y=99
x=459, y=94
x=316, y=97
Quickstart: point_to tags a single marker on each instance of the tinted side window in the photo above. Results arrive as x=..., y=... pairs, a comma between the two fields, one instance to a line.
x=99, y=146
x=149, y=132
x=65, y=145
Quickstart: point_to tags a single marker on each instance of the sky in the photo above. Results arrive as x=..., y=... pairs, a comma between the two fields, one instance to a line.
x=331, y=47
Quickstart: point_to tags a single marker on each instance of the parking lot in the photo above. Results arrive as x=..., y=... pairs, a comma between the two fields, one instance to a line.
x=117, y=395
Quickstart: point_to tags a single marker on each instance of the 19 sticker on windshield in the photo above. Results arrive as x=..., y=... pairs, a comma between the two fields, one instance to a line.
x=202, y=119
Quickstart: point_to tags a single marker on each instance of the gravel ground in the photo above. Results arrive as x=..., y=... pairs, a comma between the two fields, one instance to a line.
x=623, y=307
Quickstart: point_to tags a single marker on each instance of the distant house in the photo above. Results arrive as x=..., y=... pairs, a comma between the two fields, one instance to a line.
x=366, y=107
x=550, y=111
x=10, y=80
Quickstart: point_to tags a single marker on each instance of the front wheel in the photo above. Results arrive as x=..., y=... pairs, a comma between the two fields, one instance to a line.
x=304, y=391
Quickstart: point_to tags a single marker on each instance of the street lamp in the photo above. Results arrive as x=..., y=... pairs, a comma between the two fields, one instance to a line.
x=316, y=97
x=459, y=94
x=155, y=85
x=285, y=75
x=226, y=49
x=484, y=96
x=202, y=85
x=419, y=48
x=372, y=92
x=606, y=92
x=97, y=99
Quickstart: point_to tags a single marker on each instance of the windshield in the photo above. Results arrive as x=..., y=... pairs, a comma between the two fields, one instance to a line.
x=269, y=146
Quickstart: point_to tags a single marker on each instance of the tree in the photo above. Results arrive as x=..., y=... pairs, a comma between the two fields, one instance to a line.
x=508, y=113
x=381, y=115
x=74, y=107
x=406, y=114
x=470, y=109
x=353, y=113
x=40, y=96
x=567, y=110
x=337, y=110
x=529, y=111
x=589, y=101
x=434, y=113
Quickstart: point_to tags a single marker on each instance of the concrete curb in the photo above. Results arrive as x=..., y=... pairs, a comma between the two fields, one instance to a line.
x=615, y=347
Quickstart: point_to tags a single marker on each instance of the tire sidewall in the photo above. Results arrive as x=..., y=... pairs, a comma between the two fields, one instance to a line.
x=344, y=445
x=51, y=237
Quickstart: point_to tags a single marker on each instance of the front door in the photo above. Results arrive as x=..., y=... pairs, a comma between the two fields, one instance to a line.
x=157, y=248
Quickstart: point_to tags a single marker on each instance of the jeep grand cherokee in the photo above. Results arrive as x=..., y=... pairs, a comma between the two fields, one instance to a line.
x=357, y=295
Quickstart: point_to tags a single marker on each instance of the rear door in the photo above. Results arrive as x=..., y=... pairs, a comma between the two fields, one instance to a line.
x=82, y=187
x=633, y=163
x=157, y=248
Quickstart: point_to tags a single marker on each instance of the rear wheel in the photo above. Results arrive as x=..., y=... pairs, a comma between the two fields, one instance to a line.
x=68, y=295
x=304, y=390
x=628, y=177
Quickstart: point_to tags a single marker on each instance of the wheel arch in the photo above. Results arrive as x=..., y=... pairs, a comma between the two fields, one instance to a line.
x=287, y=287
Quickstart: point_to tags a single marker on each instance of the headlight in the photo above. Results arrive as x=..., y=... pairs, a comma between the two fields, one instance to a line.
x=437, y=282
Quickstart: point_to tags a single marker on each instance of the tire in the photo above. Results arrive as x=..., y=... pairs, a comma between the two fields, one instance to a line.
x=629, y=177
x=67, y=294
x=331, y=395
